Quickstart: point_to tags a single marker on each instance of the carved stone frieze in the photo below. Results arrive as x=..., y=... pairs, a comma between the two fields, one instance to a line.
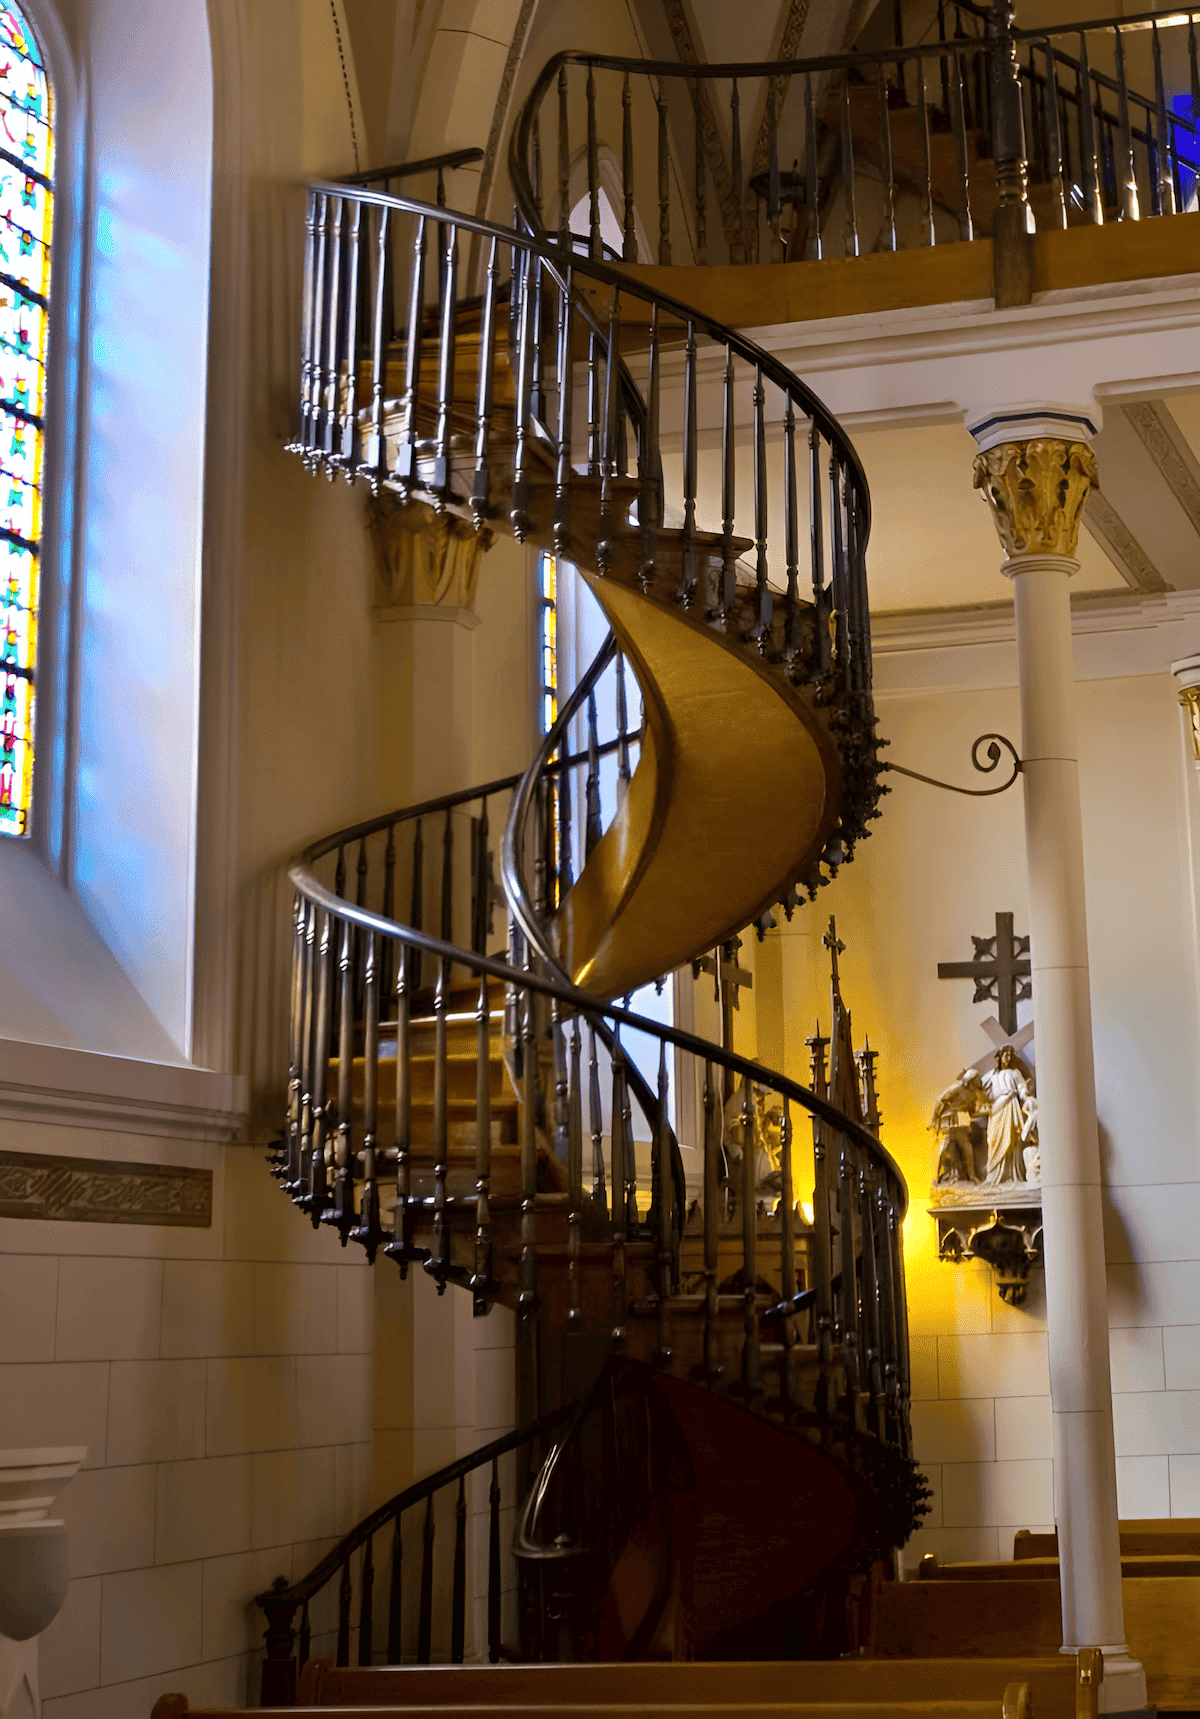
x=1037, y=490
x=103, y=1191
x=422, y=556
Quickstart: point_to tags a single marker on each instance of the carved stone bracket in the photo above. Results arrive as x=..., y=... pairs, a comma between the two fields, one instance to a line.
x=1006, y=1232
x=422, y=556
x=1036, y=491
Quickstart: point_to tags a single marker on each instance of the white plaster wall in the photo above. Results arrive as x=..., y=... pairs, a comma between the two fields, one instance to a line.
x=936, y=871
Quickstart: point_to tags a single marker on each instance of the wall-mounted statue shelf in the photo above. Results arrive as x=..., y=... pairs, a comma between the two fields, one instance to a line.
x=986, y=1196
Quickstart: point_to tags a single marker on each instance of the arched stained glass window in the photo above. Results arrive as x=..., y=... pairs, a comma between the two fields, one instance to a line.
x=26, y=215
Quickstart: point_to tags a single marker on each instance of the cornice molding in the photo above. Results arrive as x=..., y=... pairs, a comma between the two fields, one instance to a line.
x=910, y=630
x=1168, y=449
x=53, y=1085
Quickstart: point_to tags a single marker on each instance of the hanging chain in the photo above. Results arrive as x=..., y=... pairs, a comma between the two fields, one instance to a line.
x=337, y=31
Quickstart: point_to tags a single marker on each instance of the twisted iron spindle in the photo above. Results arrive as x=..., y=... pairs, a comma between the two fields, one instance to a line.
x=425, y=1614
x=406, y=453
x=458, y=1602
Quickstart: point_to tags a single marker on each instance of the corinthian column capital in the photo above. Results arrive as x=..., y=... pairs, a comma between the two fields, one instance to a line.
x=1036, y=490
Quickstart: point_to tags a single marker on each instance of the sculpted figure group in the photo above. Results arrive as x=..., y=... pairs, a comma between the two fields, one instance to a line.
x=1005, y=1095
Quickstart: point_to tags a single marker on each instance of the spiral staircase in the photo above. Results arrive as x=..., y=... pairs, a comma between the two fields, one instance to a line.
x=714, y=1385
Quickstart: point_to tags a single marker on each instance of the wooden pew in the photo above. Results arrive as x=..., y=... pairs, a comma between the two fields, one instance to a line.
x=1003, y=1616
x=1141, y=1537
x=1046, y=1569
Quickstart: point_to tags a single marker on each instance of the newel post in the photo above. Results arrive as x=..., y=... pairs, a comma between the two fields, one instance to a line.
x=279, y=1666
x=1012, y=236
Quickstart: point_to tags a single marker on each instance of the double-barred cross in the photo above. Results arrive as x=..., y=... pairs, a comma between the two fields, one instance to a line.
x=1001, y=971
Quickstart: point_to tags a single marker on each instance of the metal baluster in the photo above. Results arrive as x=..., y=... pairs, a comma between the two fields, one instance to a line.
x=388, y=909
x=926, y=159
x=333, y=318
x=400, y=1246
x=959, y=122
x=1092, y=200
x=481, y=898
x=287, y=1171
x=305, y=1643
x=650, y=493
x=343, y=1629
x=886, y=1278
x=493, y=1595
x=851, y=1333
x=886, y=171
x=750, y=1356
x=620, y=1205
x=663, y=1201
x=417, y=911
x=737, y=250
x=701, y=207
x=596, y=1119
x=458, y=1604
x=566, y=402
x=425, y=1617
x=1166, y=189
x=537, y=168
x=481, y=1281
x=857, y=626
x=527, y=1292
x=537, y=304
x=365, y=1656
x=308, y=325
x=339, y=876
x=622, y=729
x=480, y=507
x=817, y=548
x=1123, y=167
x=368, y=1230
x=787, y=1253
x=838, y=555
x=360, y=898
x=395, y=1638
x=664, y=184
x=941, y=27
x=564, y=164
x=406, y=454
x=851, y=222
x=764, y=607
x=520, y=489
x=774, y=205
x=302, y=1181
x=629, y=231
x=574, y=1181
x=1194, y=68
x=318, y=1186
x=712, y=1217
x=594, y=467
x=691, y=457
x=791, y=519
x=610, y=464
x=595, y=243
x=812, y=244
x=900, y=1302
x=593, y=828
x=728, y=587
x=349, y=412
x=1054, y=138
x=438, y=1263
x=341, y=1211
x=871, y=1332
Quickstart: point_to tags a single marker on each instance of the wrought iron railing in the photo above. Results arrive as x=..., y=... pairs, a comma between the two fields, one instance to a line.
x=895, y=147
x=354, y=1559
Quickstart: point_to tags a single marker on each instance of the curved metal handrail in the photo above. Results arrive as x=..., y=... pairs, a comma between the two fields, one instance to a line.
x=315, y=892
x=559, y=266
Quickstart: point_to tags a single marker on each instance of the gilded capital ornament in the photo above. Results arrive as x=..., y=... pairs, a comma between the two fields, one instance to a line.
x=422, y=556
x=1189, y=698
x=1036, y=491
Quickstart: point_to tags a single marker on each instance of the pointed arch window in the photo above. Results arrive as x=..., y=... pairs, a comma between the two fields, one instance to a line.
x=26, y=217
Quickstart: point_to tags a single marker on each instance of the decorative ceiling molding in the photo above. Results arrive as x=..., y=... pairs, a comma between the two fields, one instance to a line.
x=1121, y=546
x=1158, y=430
x=500, y=112
x=684, y=37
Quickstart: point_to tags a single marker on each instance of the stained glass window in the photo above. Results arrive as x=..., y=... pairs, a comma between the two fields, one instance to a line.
x=26, y=215
x=548, y=640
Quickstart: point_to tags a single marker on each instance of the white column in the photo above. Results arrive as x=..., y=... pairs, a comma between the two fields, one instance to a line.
x=1036, y=468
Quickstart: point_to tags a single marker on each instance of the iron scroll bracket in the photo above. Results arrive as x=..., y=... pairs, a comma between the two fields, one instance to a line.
x=994, y=754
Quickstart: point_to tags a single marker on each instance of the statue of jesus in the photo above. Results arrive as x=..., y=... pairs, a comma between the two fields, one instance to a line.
x=1009, y=1094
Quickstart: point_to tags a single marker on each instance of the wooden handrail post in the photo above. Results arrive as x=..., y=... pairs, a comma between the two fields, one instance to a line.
x=1012, y=238
x=279, y=1666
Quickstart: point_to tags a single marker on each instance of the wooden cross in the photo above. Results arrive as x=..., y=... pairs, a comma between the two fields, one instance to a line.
x=835, y=947
x=1001, y=971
